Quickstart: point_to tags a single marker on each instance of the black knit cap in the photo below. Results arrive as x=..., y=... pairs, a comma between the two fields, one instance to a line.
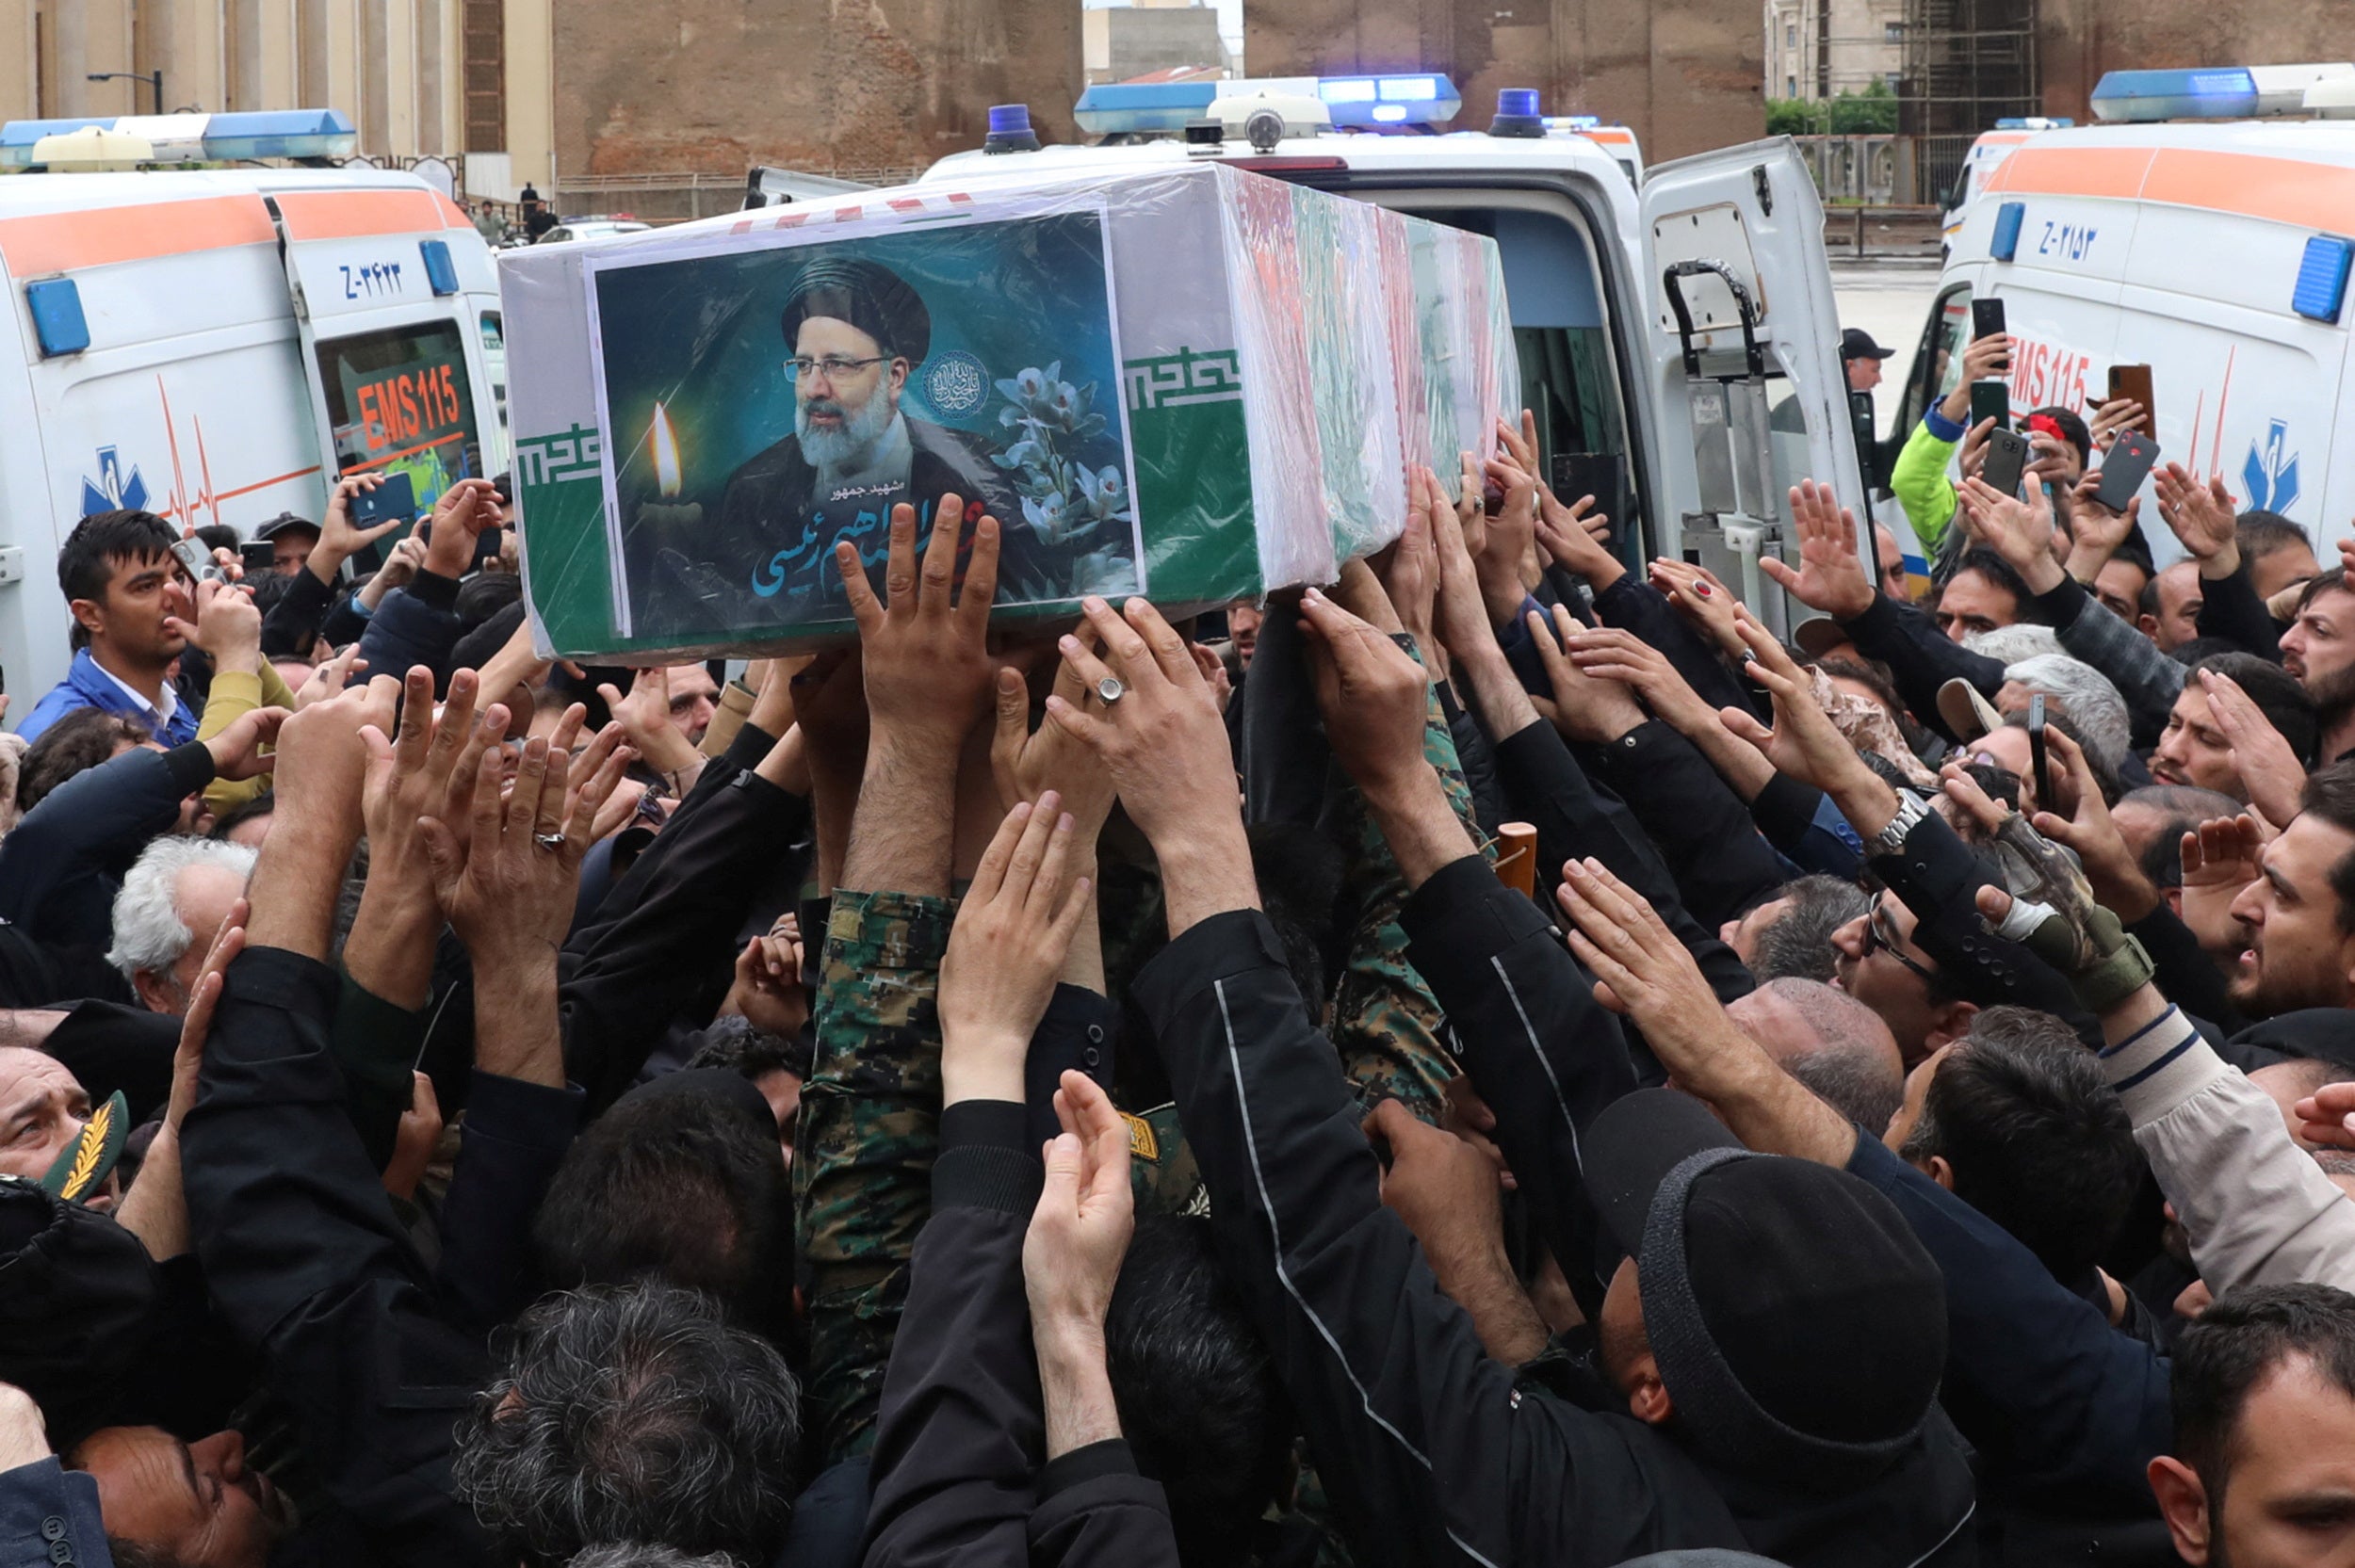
x=867, y=295
x=1799, y=1327
x=78, y=1295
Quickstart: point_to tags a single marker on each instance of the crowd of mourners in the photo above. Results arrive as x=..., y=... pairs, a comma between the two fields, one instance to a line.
x=1116, y=1093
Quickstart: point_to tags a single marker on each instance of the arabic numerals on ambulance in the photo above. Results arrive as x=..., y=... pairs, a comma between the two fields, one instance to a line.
x=2066, y=241
x=370, y=280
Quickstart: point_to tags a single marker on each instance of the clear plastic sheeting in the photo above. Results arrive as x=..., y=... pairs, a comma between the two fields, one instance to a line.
x=1196, y=383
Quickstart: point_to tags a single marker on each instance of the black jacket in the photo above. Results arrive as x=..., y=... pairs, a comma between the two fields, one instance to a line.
x=308, y=1264
x=2229, y=608
x=667, y=932
x=1430, y=1451
x=1574, y=816
x=959, y=1469
x=1699, y=826
x=62, y=866
x=1547, y=1058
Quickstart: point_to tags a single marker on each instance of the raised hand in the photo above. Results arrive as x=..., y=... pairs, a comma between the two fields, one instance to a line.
x=1152, y=719
x=2118, y=413
x=340, y=538
x=1013, y=930
x=2268, y=768
x=1373, y=696
x=1070, y=1260
x=1609, y=653
x=924, y=647
x=1972, y=456
x=1460, y=617
x=464, y=510
x=2201, y=516
x=322, y=760
x=155, y=1208
x=227, y=626
x=509, y=889
x=1511, y=533
x=1831, y=577
x=1583, y=707
x=1804, y=742
x=768, y=990
x=238, y=750
x=2095, y=531
x=1408, y=571
x=2088, y=828
x=644, y=716
x=1025, y=763
x=2018, y=530
x=1697, y=594
x=2222, y=857
x=1639, y=966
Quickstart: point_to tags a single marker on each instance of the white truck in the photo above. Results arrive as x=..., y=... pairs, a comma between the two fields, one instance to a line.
x=220, y=345
x=1677, y=337
x=2203, y=230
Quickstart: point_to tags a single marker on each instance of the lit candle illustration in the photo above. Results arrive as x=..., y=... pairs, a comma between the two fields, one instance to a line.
x=664, y=443
x=665, y=453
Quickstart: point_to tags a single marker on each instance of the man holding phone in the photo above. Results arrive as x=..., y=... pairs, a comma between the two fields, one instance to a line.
x=1918, y=478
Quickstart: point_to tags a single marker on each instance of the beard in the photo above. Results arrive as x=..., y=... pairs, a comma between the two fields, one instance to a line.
x=850, y=443
x=2333, y=694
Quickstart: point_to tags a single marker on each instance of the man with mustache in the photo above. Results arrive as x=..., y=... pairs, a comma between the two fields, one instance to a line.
x=857, y=331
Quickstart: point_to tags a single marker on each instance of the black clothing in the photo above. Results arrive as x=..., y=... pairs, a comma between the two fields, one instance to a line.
x=307, y=1263
x=62, y=866
x=2229, y=608
x=960, y=1471
x=1431, y=1451
x=1701, y=826
x=770, y=557
x=1575, y=817
x=1921, y=657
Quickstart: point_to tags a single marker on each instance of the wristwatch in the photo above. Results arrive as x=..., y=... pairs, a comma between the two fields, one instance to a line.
x=1890, y=840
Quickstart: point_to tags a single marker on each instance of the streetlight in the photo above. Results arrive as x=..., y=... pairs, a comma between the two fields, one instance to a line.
x=154, y=79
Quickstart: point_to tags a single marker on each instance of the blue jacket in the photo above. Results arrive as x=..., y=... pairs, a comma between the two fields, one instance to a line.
x=49, y=1519
x=85, y=685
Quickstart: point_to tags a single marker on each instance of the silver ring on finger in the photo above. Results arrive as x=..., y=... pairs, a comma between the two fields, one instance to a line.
x=1111, y=690
x=550, y=842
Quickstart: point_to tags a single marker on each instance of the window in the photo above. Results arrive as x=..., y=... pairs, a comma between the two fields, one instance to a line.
x=1790, y=35
x=495, y=361
x=1896, y=80
x=401, y=402
x=1790, y=87
x=1894, y=33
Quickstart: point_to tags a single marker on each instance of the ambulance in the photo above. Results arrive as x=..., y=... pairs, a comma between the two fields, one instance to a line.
x=1677, y=333
x=220, y=344
x=2205, y=227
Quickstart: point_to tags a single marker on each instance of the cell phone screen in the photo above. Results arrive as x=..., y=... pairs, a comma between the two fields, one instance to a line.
x=1991, y=401
x=1987, y=318
x=2036, y=753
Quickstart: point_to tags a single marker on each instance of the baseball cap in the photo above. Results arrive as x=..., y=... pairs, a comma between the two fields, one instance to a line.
x=1818, y=635
x=1857, y=344
x=1966, y=710
x=1799, y=1326
x=280, y=524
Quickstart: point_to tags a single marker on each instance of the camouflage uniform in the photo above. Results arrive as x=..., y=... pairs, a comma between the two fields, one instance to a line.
x=1385, y=1022
x=862, y=1155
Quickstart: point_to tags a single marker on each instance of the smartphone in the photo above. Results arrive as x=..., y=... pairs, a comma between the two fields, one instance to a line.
x=396, y=497
x=259, y=556
x=2133, y=380
x=2129, y=462
x=197, y=560
x=2035, y=753
x=1990, y=400
x=1987, y=318
x=2006, y=459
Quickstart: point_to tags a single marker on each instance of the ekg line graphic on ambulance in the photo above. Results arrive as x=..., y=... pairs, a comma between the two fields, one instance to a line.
x=184, y=507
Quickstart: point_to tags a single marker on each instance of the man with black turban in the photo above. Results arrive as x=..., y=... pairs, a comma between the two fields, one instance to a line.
x=855, y=330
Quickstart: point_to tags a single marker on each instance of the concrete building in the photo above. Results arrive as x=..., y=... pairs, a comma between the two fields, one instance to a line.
x=1119, y=44
x=1822, y=48
x=1684, y=74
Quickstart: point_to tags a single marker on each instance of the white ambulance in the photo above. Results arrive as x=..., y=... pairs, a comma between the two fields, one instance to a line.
x=219, y=344
x=2197, y=231
x=1677, y=337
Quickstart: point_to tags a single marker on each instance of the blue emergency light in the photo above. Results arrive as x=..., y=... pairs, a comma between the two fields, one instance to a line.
x=224, y=138
x=2320, y=292
x=1114, y=109
x=1517, y=114
x=2210, y=93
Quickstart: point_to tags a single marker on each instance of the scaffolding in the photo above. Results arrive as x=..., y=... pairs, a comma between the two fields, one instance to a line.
x=1969, y=63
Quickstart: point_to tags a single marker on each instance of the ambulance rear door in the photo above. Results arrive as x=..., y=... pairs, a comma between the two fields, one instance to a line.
x=391, y=287
x=1744, y=340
